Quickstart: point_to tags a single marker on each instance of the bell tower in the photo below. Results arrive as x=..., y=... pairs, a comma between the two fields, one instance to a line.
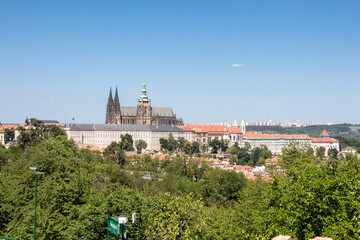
x=144, y=110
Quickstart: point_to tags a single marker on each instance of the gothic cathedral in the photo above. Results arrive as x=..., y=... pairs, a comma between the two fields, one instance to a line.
x=143, y=114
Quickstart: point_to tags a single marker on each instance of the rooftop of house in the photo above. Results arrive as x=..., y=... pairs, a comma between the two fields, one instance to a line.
x=211, y=129
x=324, y=140
x=349, y=149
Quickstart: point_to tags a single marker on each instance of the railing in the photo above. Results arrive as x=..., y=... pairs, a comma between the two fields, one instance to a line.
x=6, y=238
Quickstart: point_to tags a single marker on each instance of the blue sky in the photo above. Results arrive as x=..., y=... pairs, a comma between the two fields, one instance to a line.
x=296, y=60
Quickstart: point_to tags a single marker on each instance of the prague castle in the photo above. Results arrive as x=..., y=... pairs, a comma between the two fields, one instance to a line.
x=143, y=114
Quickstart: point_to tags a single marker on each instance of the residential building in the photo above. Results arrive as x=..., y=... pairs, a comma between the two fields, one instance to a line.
x=275, y=142
x=326, y=142
x=204, y=134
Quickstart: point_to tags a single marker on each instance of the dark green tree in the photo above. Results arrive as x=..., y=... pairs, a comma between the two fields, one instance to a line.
x=195, y=147
x=215, y=145
x=164, y=143
x=187, y=148
x=320, y=153
x=36, y=131
x=115, y=153
x=140, y=145
x=181, y=143
x=172, y=143
x=127, y=143
x=9, y=135
x=333, y=152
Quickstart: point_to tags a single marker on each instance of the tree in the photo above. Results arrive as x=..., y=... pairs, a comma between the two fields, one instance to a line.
x=187, y=148
x=333, y=152
x=177, y=218
x=204, y=148
x=9, y=134
x=36, y=131
x=234, y=149
x=115, y=153
x=260, y=154
x=220, y=186
x=320, y=153
x=195, y=147
x=215, y=145
x=224, y=144
x=140, y=145
x=172, y=143
x=316, y=199
x=181, y=143
x=164, y=143
x=127, y=143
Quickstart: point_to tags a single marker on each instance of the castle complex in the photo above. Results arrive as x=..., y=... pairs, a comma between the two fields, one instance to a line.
x=143, y=114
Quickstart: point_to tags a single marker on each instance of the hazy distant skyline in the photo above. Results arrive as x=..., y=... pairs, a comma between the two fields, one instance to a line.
x=211, y=61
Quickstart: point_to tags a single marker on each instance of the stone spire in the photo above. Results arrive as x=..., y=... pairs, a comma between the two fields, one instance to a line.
x=117, y=110
x=109, y=109
x=144, y=97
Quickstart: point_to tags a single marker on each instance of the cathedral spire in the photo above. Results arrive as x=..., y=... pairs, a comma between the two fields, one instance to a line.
x=116, y=99
x=117, y=109
x=110, y=109
x=110, y=96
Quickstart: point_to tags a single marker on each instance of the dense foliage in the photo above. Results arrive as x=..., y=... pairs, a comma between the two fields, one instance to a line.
x=171, y=144
x=182, y=197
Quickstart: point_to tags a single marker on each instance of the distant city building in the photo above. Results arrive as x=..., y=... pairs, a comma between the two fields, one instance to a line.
x=101, y=135
x=143, y=114
x=326, y=142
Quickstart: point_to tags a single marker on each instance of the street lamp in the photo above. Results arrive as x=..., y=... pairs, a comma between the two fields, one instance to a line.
x=36, y=174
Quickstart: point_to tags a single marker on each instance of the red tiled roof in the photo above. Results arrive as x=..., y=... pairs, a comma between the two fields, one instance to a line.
x=250, y=176
x=211, y=129
x=325, y=133
x=9, y=126
x=324, y=140
x=273, y=160
x=349, y=149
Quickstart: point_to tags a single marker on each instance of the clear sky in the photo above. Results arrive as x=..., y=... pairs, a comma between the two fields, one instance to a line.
x=210, y=61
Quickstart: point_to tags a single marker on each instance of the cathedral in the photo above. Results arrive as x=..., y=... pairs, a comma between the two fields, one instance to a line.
x=143, y=114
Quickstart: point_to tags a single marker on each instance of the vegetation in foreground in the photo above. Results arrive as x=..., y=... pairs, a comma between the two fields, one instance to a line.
x=185, y=199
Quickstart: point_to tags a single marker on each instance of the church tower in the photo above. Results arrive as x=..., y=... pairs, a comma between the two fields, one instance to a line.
x=144, y=110
x=117, y=110
x=110, y=109
x=243, y=126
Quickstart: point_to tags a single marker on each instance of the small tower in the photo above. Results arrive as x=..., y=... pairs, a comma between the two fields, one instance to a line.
x=144, y=110
x=243, y=126
x=109, y=109
x=117, y=109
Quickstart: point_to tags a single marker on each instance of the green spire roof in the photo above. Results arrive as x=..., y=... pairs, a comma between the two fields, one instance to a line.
x=144, y=97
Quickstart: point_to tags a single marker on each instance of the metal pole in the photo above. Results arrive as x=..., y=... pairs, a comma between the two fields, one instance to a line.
x=107, y=238
x=35, y=204
x=138, y=228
